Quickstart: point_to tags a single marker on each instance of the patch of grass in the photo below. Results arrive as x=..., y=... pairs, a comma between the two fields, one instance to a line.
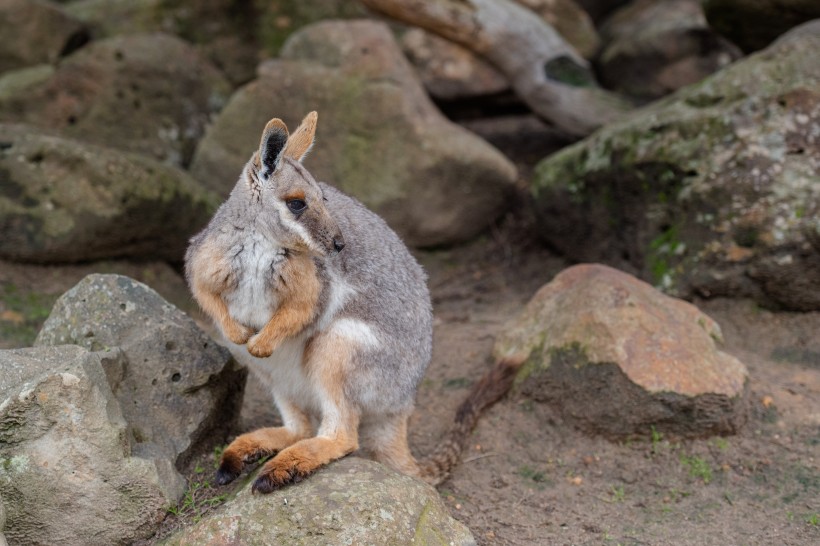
x=813, y=519
x=456, y=383
x=527, y=405
x=618, y=493
x=197, y=501
x=532, y=474
x=22, y=314
x=698, y=468
x=721, y=444
x=656, y=438
x=218, y=450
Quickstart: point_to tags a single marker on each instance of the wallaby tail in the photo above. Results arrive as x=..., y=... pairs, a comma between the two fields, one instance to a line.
x=489, y=390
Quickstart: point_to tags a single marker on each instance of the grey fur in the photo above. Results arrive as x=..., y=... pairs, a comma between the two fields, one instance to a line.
x=389, y=287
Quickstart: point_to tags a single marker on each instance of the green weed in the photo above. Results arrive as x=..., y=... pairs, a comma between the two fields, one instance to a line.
x=698, y=468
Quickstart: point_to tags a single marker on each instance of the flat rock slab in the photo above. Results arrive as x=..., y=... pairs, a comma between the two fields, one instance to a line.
x=379, y=136
x=618, y=357
x=67, y=472
x=178, y=390
x=352, y=501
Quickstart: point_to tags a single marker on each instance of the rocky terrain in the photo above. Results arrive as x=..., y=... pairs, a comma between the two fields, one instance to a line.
x=620, y=197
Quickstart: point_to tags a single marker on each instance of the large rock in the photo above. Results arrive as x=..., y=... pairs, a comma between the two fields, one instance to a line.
x=67, y=471
x=34, y=32
x=177, y=389
x=448, y=70
x=379, y=136
x=352, y=501
x=617, y=357
x=65, y=201
x=654, y=47
x=149, y=93
x=753, y=24
x=714, y=191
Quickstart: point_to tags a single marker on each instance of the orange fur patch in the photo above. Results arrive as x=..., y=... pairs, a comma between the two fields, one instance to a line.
x=301, y=140
x=211, y=276
x=297, y=308
x=297, y=194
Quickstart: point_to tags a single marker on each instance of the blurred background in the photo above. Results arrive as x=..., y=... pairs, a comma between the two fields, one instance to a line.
x=125, y=123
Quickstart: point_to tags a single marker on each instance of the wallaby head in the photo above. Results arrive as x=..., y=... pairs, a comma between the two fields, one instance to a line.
x=292, y=203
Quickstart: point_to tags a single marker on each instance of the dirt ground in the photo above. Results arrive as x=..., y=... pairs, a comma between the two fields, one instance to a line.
x=531, y=479
x=528, y=478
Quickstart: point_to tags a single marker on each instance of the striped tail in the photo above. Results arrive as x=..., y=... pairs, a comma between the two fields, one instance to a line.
x=490, y=389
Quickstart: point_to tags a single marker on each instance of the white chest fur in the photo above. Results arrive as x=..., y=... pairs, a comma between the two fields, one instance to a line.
x=254, y=300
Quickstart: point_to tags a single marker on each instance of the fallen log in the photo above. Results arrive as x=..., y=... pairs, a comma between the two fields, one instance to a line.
x=543, y=69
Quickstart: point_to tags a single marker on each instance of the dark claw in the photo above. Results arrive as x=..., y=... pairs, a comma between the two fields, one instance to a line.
x=229, y=470
x=264, y=484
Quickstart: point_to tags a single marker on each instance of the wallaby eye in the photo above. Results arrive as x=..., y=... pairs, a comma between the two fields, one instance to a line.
x=296, y=206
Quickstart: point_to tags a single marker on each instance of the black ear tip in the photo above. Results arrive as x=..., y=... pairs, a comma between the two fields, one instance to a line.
x=273, y=142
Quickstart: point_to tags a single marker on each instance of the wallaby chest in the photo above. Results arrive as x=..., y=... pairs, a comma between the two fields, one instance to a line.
x=257, y=263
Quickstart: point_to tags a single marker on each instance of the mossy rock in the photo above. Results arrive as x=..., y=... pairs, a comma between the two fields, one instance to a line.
x=379, y=136
x=65, y=201
x=352, y=501
x=711, y=191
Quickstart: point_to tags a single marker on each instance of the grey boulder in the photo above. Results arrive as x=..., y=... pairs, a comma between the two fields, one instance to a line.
x=379, y=136
x=145, y=93
x=66, y=201
x=352, y=501
x=67, y=471
x=34, y=32
x=178, y=390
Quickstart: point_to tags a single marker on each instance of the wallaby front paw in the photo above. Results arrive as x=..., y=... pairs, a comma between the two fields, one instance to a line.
x=237, y=333
x=260, y=347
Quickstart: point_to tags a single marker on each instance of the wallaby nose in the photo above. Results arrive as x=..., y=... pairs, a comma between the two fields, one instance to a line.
x=338, y=244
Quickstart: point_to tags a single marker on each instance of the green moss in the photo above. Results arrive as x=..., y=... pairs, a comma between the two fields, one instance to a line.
x=278, y=19
x=661, y=252
x=27, y=311
x=563, y=69
x=425, y=528
x=541, y=359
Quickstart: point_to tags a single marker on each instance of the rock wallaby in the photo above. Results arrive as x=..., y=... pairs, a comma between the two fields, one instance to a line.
x=318, y=296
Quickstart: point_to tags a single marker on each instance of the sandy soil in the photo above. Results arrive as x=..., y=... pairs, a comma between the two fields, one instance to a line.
x=531, y=479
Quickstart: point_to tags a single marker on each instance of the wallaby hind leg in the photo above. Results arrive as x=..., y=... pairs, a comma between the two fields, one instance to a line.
x=327, y=362
x=249, y=448
x=386, y=439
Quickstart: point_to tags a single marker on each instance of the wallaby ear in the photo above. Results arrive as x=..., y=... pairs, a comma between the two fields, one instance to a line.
x=274, y=138
x=301, y=141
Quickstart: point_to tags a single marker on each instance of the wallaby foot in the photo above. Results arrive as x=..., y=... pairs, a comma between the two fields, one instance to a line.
x=249, y=448
x=300, y=461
